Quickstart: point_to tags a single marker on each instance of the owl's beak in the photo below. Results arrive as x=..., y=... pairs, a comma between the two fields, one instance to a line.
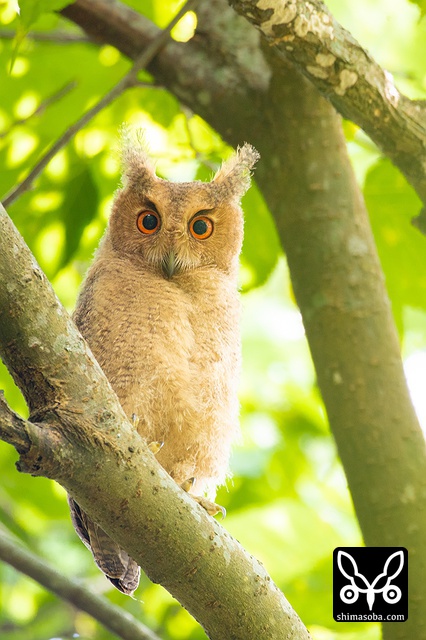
x=169, y=264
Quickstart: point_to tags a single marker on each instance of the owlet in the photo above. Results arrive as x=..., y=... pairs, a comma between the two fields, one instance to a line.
x=160, y=310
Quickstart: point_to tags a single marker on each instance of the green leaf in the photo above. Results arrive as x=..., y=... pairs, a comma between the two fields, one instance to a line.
x=78, y=209
x=261, y=248
x=421, y=4
x=277, y=530
x=31, y=10
x=161, y=104
x=392, y=204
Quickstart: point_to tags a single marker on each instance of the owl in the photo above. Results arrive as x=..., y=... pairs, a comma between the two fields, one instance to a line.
x=160, y=310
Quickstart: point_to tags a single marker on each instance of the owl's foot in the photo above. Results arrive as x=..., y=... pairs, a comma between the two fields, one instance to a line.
x=155, y=447
x=211, y=507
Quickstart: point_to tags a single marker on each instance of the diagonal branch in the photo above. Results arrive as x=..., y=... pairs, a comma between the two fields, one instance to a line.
x=79, y=436
x=120, y=622
x=63, y=37
x=13, y=428
x=125, y=83
x=55, y=97
x=307, y=34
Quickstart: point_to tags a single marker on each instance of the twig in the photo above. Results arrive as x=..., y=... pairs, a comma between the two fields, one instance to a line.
x=146, y=85
x=120, y=622
x=126, y=82
x=55, y=97
x=51, y=36
x=201, y=157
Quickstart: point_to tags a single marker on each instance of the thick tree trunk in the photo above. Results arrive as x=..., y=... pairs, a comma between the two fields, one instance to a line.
x=340, y=289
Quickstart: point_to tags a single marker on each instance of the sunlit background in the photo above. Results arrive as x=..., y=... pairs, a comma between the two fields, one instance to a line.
x=287, y=501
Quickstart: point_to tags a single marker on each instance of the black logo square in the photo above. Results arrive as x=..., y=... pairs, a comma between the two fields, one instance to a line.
x=370, y=584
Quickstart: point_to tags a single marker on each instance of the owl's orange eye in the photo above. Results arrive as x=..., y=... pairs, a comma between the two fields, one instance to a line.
x=148, y=222
x=201, y=227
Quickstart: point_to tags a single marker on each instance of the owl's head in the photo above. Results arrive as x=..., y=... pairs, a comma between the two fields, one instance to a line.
x=171, y=227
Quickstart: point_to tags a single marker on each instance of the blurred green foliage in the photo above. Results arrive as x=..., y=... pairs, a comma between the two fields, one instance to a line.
x=287, y=501
x=32, y=10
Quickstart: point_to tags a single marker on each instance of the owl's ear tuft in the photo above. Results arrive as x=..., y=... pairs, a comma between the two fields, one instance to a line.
x=235, y=172
x=137, y=167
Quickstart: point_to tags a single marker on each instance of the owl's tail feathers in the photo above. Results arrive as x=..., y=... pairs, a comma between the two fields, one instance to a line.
x=130, y=580
x=120, y=569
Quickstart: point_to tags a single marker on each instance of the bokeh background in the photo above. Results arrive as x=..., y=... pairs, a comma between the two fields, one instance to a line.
x=287, y=500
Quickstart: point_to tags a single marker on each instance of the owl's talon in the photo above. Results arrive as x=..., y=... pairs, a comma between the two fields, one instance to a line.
x=211, y=507
x=188, y=484
x=155, y=446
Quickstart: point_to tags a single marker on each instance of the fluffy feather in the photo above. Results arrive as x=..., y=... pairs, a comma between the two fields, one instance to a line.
x=169, y=340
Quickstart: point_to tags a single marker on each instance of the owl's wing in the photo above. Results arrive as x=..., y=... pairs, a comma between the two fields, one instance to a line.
x=116, y=564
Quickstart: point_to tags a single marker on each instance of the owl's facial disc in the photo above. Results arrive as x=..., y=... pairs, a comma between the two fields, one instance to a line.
x=169, y=264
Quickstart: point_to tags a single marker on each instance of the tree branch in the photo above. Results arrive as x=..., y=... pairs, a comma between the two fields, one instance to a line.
x=13, y=429
x=80, y=437
x=109, y=615
x=205, y=73
x=339, y=287
x=63, y=37
x=304, y=33
x=307, y=34
x=125, y=83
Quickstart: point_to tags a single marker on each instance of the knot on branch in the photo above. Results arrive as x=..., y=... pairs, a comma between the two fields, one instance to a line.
x=46, y=454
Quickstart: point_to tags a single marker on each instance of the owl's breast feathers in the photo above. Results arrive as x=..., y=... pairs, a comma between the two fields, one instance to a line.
x=171, y=350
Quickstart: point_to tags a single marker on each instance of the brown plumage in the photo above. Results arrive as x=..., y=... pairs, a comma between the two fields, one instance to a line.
x=160, y=310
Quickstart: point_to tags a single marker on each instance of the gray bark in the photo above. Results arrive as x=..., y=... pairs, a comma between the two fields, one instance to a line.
x=78, y=435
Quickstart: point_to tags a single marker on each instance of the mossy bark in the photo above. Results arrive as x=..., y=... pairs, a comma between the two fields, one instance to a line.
x=78, y=435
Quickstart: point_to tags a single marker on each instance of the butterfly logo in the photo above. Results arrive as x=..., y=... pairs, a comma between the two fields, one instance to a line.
x=391, y=593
